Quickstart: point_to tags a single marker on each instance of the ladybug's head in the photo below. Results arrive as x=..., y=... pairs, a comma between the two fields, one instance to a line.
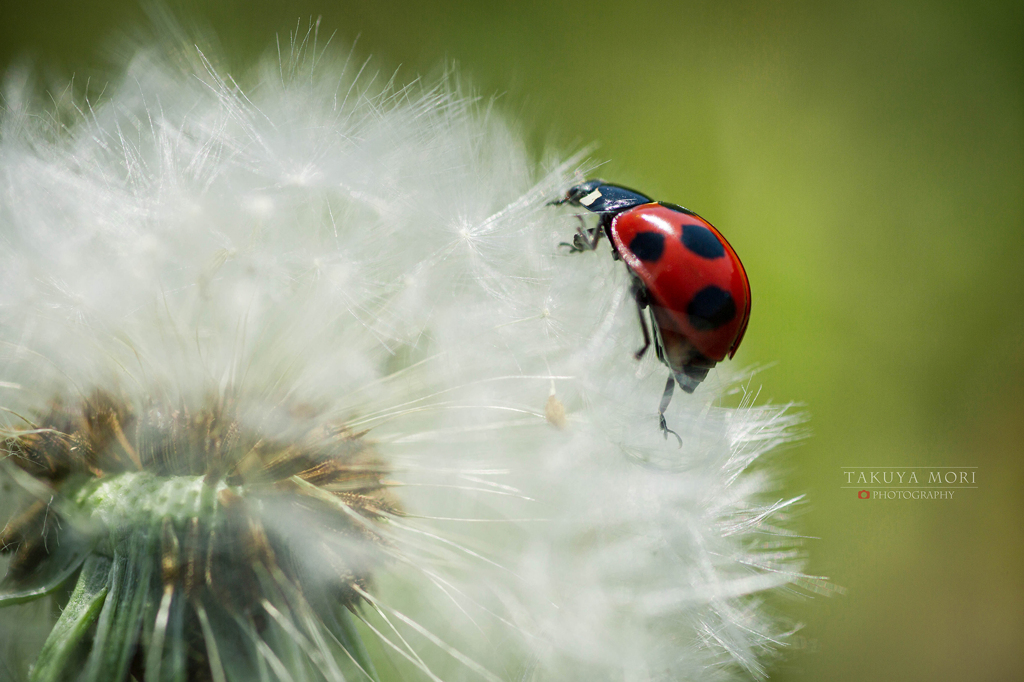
x=598, y=196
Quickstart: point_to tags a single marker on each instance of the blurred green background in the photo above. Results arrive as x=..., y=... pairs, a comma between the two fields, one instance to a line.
x=867, y=162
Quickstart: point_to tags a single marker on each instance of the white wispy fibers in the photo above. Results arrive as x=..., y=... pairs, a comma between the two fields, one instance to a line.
x=298, y=384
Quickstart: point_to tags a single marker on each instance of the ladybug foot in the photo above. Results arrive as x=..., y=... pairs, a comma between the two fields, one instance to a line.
x=586, y=238
x=665, y=430
x=666, y=398
x=579, y=244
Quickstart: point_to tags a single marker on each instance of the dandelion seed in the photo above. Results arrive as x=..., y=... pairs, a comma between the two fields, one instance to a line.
x=278, y=360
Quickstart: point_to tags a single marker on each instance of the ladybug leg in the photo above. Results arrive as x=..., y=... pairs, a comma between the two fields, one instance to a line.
x=585, y=238
x=640, y=295
x=666, y=398
x=589, y=237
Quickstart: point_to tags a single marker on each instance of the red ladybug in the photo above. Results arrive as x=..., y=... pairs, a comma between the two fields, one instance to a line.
x=682, y=269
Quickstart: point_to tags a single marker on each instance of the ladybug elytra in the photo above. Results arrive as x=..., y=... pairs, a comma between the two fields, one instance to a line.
x=683, y=272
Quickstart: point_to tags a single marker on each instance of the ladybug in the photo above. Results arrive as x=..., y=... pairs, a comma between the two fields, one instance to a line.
x=683, y=272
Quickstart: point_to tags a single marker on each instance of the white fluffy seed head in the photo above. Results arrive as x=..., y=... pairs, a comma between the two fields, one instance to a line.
x=316, y=247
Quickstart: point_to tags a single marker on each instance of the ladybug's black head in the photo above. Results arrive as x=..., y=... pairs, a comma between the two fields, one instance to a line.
x=600, y=197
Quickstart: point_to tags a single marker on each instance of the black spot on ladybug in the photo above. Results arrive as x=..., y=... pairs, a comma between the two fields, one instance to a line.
x=648, y=246
x=702, y=242
x=710, y=308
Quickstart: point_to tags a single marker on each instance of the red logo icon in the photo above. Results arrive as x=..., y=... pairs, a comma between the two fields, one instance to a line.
x=864, y=495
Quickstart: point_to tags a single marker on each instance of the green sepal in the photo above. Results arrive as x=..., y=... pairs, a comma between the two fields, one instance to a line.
x=236, y=658
x=163, y=635
x=49, y=576
x=343, y=627
x=67, y=642
x=120, y=621
x=66, y=552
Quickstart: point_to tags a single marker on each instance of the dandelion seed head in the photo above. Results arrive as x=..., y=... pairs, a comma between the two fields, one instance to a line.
x=299, y=354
